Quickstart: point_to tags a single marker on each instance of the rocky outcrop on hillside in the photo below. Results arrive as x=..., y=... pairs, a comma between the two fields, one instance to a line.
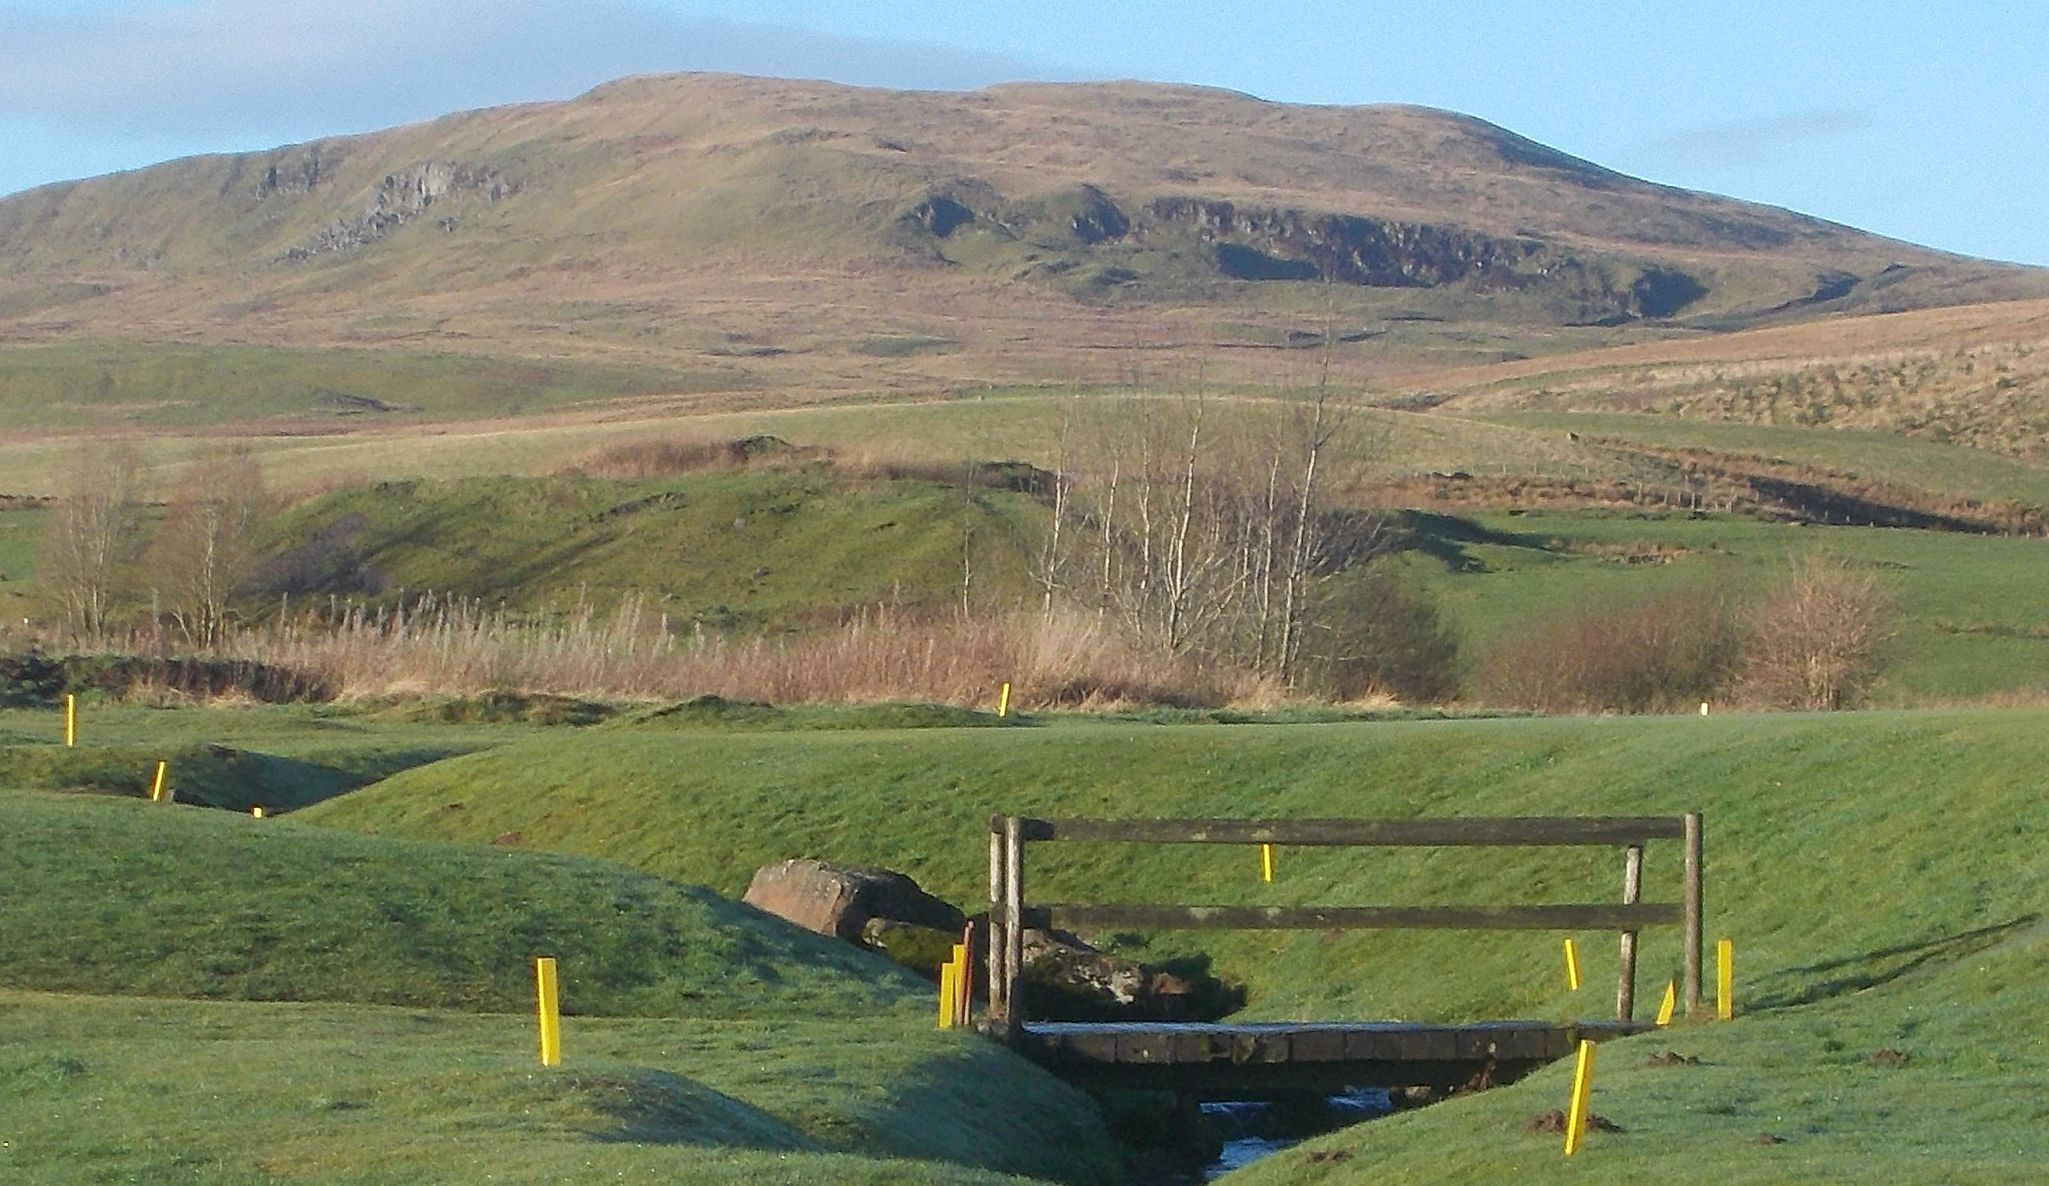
x=1266, y=243
x=400, y=198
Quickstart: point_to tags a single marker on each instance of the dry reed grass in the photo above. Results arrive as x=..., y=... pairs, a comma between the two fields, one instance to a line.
x=458, y=647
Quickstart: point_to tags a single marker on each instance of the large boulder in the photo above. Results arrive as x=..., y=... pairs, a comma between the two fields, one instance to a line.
x=839, y=900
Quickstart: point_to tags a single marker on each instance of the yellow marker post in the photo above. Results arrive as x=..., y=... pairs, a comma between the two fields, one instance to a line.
x=70, y=720
x=156, y=789
x=1725, y=979
x=1670, y=1003
x=257, y=812
x=1572, y=965
x=949, y=987
x=1266, y=862
x=548, y=1000
x=1582, y=1088
x=1003, y=700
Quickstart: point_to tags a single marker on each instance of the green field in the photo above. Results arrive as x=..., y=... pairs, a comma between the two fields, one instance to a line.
x=1882, y=456
x=182, y=387
x=1881, y=874
x=1973, y=610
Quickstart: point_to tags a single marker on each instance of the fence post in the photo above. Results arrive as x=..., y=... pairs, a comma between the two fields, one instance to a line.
x=1694, y=907
x=999, y=942
x=1625, y=978
x=1013, y=917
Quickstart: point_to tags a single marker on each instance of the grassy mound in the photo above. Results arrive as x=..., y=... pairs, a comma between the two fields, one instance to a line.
x=703, y=713
x=178, y=902
x=233, y=758
x=1931, y=811
x=1937, y=1078
x=348, y=1095
x=723, y=549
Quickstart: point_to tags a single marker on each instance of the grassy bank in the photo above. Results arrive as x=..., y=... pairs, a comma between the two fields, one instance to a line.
x=705, y=1041
x=231, y=1094
x=1811, y=819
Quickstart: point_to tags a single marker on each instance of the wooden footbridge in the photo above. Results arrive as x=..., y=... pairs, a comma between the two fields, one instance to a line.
x=1235, y=1061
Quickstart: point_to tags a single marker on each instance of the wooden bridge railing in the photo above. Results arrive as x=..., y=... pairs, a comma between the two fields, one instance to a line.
x=1010, y=912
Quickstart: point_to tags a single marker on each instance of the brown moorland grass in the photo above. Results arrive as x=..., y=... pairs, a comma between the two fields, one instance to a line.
x=1976, y=375
x=461, y=648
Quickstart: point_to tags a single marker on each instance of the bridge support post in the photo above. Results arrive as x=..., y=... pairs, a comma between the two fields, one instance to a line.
x=1013, y=919
x=1632, y=893
x=1006, y=920
x=999, y=1010
x=1693, y=906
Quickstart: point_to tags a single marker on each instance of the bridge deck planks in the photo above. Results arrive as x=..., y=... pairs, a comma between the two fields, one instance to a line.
x=1225, y=1060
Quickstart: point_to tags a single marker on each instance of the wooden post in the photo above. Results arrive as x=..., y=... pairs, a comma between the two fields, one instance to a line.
x=1013, y=918
x=999, y=944
x=1694, y=905
x=1625, y=977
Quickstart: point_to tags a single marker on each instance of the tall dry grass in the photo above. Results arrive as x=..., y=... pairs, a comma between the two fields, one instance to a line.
x=459, y=647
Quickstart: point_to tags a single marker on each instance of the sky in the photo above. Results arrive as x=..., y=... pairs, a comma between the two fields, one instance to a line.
x=1925, y=122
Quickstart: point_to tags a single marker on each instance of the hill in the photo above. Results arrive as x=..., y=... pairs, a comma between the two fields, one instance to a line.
x=734, y=232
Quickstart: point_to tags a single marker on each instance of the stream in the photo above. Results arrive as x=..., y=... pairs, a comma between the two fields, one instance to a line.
x=1252, y=1129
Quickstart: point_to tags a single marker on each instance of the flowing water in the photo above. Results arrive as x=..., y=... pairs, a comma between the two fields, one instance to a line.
x=1253, y=1129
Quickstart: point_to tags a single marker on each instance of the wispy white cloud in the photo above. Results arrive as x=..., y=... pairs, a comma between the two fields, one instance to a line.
x=1751, y=142
x=203, y=66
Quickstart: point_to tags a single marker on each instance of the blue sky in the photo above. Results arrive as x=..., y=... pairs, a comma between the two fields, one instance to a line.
x=1925, y=122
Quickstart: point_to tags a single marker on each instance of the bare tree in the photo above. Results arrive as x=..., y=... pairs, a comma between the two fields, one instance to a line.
x=1206, y=523
x=92, y=533
x=1817, y=637
x=207, y=550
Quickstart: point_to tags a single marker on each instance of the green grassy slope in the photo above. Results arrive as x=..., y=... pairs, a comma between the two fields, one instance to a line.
x=169, y=387
x=228, y=757
x=176, y=901
x=749, y=548
x=1793, y=1096
x=1883, y=456
x=1882, y=875
x=231, y=1094
x=705, y=1041
x=1811, y=819
x=1973, y=610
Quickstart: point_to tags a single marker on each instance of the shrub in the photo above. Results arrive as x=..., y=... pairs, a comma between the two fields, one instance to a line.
x=1663, y=653
x=1378, y=635
x=1816, y=637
